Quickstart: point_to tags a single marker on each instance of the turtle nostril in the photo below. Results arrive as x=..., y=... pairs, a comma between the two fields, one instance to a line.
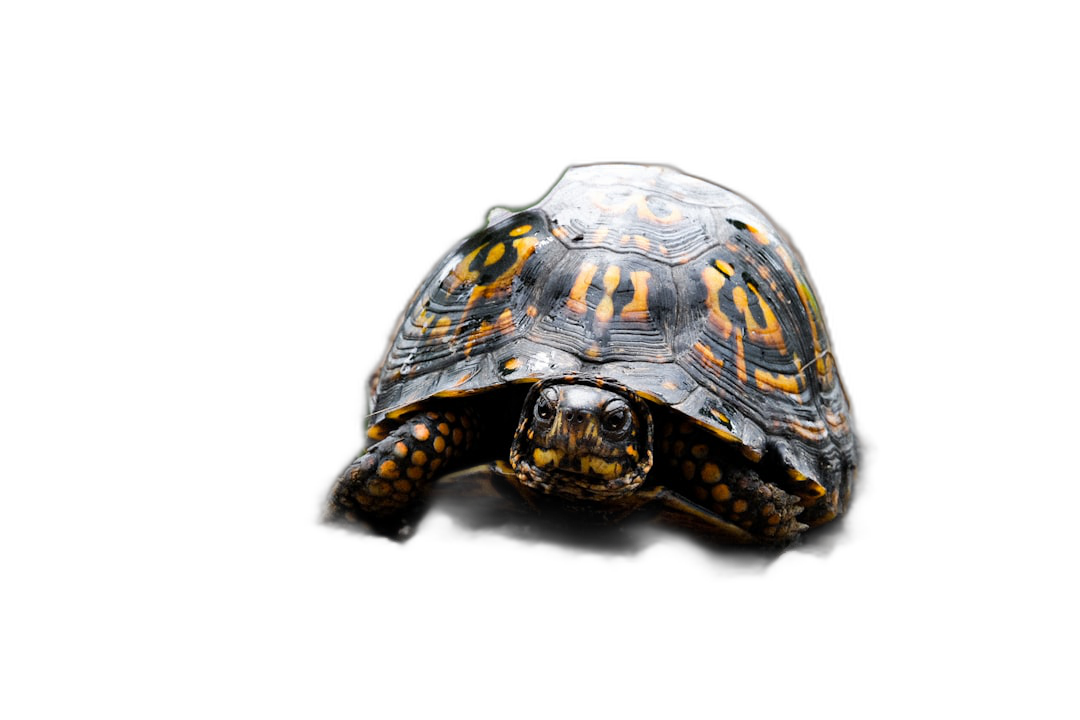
x=577, y=417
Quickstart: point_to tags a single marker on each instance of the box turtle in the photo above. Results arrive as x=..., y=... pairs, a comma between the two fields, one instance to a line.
x=639, y=337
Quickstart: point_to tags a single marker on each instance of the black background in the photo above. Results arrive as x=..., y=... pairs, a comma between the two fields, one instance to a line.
x=340, y=220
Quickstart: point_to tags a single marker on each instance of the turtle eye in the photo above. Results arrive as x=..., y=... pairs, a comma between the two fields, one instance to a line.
x=544, y=409
x=616, y=420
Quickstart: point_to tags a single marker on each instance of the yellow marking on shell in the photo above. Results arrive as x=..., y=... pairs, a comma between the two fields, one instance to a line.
x=477, y=336
x=708, y=356
x=768, y=334
x=400, y=449
x=815, y=432
x=512, y=364
x=837, y=421
x=419, y=457
x=766, y=380
x=638, y=307
x=808, y=306
x=495, y=253
x=420, y=432
x=606, y=308
x=444, y=428
x=560, y=232
x=398, y=412
x=748, y=452
x=389, y=470
x=593, y=351
x=544, y=457
x=525, y=246
x=599, y=466
x=761, y=237
x=740, y=357
x=645, y=212
x=721, y=492
x=724, y=267
x=376, y=432
x=651, y=397
x=720, y=416
x=415, y=472
x=442, y=325
x=714, y=281
x=601, y=233
x=423, y=319
x=505, y=322
x=520, y=230
x=461, y=273
x=439, y=444
x=576, y=299
x=631, y=451
x=498, y=286
x=642, y=242
x=455, y=393
x=668, y=385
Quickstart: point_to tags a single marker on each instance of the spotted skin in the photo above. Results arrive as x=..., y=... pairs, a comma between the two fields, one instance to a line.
x=767, y=507
x=394, y=472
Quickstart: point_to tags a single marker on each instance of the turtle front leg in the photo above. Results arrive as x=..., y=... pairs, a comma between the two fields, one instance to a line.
x=392, y=476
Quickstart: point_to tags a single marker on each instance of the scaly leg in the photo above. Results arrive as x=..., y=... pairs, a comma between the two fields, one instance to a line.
x=392, y=475
x=717, y=478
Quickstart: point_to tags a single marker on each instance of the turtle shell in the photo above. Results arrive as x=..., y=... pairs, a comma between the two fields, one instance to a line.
x=672, y=286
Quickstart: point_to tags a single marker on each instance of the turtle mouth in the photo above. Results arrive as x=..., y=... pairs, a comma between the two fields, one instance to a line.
x=578, y=484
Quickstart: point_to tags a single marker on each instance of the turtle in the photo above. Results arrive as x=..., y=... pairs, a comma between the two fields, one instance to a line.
x=638, y=338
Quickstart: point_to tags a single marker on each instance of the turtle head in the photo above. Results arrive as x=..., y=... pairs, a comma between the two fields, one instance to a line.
x=582, y=439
